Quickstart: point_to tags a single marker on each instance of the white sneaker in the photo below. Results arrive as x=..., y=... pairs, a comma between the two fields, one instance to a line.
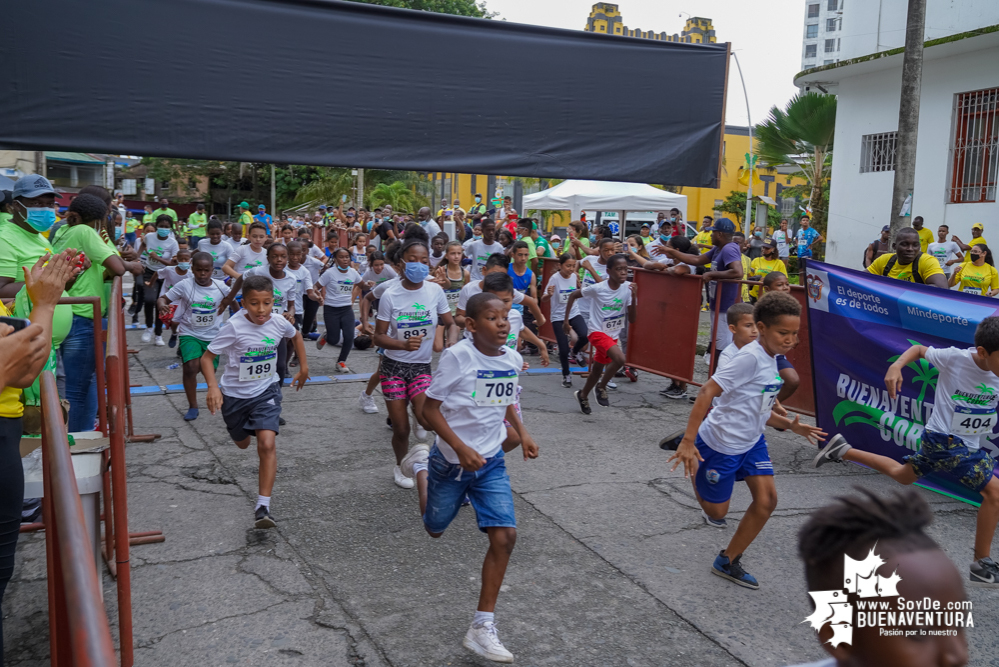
x=484, y=640
x=401, y=480
x=418, y=454
x=147, y=336
x=159, y=341
x=367, y=404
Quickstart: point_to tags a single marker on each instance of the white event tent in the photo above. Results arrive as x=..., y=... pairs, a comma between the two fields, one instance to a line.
x=578, y=196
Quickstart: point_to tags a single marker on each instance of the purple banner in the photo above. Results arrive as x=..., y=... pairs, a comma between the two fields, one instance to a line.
x=859, y=324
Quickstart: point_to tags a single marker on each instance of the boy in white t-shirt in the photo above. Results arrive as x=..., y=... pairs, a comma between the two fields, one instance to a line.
x=946, y=252
x=250, y=397
x=729, y=444
x=610, y=302
x=472, y=393
x=964, y=413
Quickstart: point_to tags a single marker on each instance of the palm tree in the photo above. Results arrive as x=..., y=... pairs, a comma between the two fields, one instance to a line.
x=802, y=136
x=399, y=195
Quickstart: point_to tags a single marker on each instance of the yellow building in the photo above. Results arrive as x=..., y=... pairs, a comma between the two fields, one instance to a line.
x=605, y=18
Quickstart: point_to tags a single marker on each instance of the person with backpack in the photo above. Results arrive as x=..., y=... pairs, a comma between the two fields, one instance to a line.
x=878, y=247
x=909, y=263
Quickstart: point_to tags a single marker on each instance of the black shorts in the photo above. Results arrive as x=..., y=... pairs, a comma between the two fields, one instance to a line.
x=245, y=416
x=298, y=321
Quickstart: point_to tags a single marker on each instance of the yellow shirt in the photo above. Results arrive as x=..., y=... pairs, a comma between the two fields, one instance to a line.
x=761, y=267
x=704, y=238
x=10, y=397
x=928, y=266
x=925, y=238
x=977, y=279
x=973, y=241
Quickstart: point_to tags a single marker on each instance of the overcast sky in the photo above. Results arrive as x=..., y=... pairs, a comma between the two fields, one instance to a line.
x=766, y=36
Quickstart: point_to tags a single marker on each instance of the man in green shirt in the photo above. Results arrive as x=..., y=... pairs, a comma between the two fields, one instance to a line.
x=166, y=210
x=197, y=222
x=245, y=218
x=541, y=244
x=524, y=234
x=32, y=210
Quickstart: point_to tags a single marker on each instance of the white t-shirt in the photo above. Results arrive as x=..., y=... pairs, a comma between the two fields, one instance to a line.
x=339, y=285
x=608, y=307
x=782, y=248
x=359, y=258
x=314, y=266
x=244, y=258
x=432, y=228
x=727, y=355
x=563, y=288
x=435, y=261
x=750, y=384
x=317, y=252
x=474, y=287
x=251, y=353
x=200, y=304
x=588, y=279
x=220, y=253
x=285, y=289
x=944, y=252
x=516, y=320
x=464, y=373
x=412, y=313
x=158, y=251
x=964, y=402
x=388, y=273
x=303, y=282
x=479, y=253
x=170, y=277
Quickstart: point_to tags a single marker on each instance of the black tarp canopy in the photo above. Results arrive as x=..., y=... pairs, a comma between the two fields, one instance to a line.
x=334, y=83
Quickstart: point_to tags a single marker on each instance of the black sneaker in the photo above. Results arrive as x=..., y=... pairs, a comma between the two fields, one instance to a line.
x=567, y=381
x=984, y=573
x=133, y=308
x=173, y=342
x=833, y=451
x=602, y=396
x=584, y=403
x=667, y=390
x=262, y=518
x=672, y=441
x=675, y=392
x=281, y=421
x=733, y=571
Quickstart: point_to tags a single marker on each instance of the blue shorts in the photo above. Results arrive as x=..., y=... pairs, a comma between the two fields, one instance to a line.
x=943, y=453
x=718, y=473
x=488, y=488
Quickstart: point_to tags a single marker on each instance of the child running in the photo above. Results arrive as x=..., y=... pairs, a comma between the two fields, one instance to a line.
x=341, y=284
x=219, y=250
x=496, y=263
x=248, y=255
x=729, y=445
x=249, y=396
x=557, y=291
x=166, y=278
x=964, y=412
x=610, y=301
x=303, y=278
x=158, y=252
x=197, y=301
x=466, y=404
x=452, y=277
x=359, y=253
x=407, y=315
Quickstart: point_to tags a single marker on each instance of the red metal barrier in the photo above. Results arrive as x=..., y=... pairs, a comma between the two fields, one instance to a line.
x=548, y=268
x=95, y=303
x=319, y=237
x=343, y=238
x=79, y=634
x=663, y=337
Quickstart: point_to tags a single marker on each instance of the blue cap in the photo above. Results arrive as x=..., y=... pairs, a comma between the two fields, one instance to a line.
x=32, y=185
x=262, y=207
x=723, y=225
x=322, y=206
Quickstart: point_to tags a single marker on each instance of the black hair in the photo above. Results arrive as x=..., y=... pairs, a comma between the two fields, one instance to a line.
x=332, y=235
x=89, y=208
x=180, y=250
x=564, y=257
x=337, y=251
x=297, y=244
x=497, y=259
x=362, y=342
x=988, y=253
x=256, y=225
x=614, y=259
x=605, y=231
x=905, y=230
x=198, y=256
x=258, y=284
x=737, y=311
x=479, y=302
x=99, y=192
x=520, y=245
x=987, y=334
x=497, y=282
x=772, y=277
x=604, y=241
x=376, y=256
x=525, y=223
x=774, y=305
x=853, y=525
x=486, y=220
x=271, y=248
x=947, y=227
x=304, y=231
x=214, y=224
x=392, y=252
x=160, y=218
x=681, y=243
x=505, y=233
x=739, y=234
x=414, y=235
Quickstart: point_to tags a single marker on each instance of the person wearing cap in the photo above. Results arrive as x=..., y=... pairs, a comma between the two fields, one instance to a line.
x=806, y=237
x=243, y=215
x=976, y=238
x=556, y=245
x=947, y=252
x=879, y=246
x=909, y=263
x=478, y=208
x=644, y=232
x=925, y=235
x=6, y=198
x=32, y=211
x=725, y=260
x=769, y=262
x=264, y=219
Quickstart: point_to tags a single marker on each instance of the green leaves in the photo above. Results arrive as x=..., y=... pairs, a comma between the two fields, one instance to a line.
x=457, y=7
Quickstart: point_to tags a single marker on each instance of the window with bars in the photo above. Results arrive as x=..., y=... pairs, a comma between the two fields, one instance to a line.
x=810, y=50
x=877, y=152
x=813, y=11
x=830, y=46
x=831, y=25
x=832, y=5
x=975, y=160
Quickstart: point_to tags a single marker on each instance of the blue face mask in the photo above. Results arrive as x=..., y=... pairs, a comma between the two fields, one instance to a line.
x=39, y=219
x=183, y=266
x=416, y=272
x=163, y=233
x=664, y=238
x=117, y=233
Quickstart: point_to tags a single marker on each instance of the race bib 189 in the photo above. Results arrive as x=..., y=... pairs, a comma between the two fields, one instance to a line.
x=257, y=368
x=495, y=388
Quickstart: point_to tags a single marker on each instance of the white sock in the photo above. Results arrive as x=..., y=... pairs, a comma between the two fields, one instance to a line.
x=263, y=501
x=417, y=467
x=483, y=617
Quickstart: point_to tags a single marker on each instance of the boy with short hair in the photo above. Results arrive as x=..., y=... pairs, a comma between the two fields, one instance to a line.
x=472, y=392
x=729, y=444
x=249, y=396
x=964, y=412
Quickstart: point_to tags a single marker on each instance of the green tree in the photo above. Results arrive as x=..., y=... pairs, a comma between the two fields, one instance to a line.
x=457, y=7
x=734, y=206
x=802, y=136
x=399, y=195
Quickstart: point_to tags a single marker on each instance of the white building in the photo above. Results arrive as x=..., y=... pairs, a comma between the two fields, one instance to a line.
x=957, y=159
x=820, y=44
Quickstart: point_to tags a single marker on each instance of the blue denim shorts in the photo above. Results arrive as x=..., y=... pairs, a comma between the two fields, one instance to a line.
x=718, y=473
x=488, y=488
x=943, y=453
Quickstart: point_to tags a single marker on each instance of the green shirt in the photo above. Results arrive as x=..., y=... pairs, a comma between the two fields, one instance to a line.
x=544, y=248
x=164, y=211
x=18, y=249
x=197, y=221
x=4, y=219
x=246, y=220
x=532, y=252
x=91, y=281
x=149, y=218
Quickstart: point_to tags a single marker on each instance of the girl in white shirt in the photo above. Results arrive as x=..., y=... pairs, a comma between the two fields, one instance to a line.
x=342, y=285
x=557, y=291
x=247, y=256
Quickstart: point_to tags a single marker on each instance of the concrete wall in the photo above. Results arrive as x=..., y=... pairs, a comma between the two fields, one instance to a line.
x=868, y=104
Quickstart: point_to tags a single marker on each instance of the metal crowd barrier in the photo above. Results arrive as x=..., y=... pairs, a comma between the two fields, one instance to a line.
x=79, y=634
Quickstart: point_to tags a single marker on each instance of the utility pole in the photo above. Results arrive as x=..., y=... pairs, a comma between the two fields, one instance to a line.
x=273, y=197
x=360, y=188
x=749, y=189
x=908, y=117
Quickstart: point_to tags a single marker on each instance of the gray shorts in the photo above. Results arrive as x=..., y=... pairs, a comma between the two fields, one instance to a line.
x=244, y=416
